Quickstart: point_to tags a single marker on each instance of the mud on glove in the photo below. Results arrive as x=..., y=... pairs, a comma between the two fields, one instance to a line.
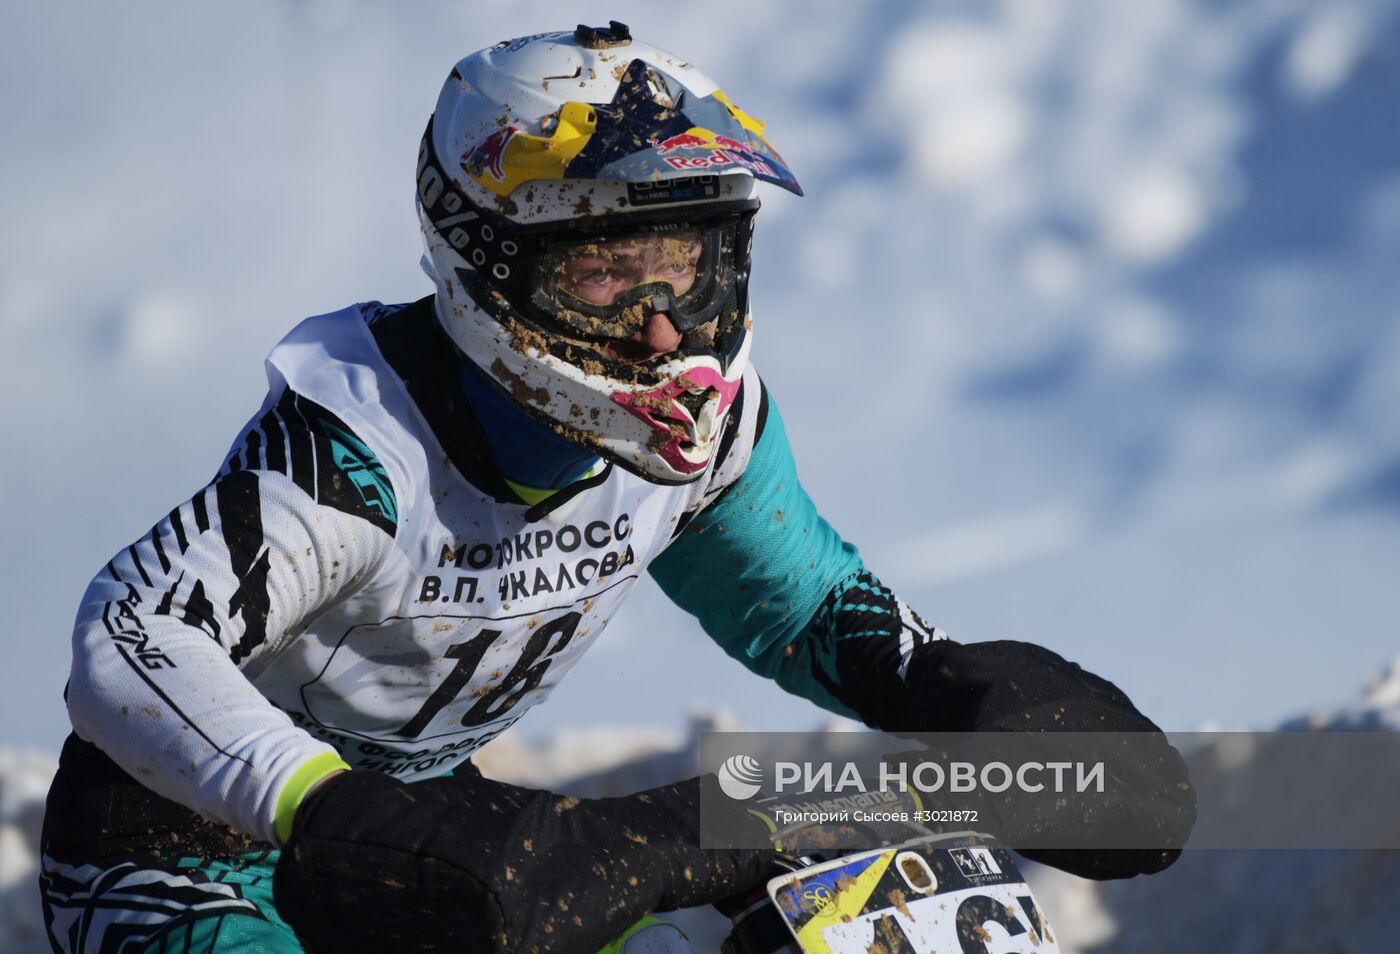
x=1009, y=686
x=469, y=864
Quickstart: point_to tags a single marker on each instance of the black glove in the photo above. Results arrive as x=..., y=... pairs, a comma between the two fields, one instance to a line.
x=468, y=864
x=1008, y=686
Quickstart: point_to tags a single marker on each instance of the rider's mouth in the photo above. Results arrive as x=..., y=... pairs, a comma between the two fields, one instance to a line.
x=694, y=401
x=627, y=351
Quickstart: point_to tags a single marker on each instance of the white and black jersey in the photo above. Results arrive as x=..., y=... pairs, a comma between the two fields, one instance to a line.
x=353, y=582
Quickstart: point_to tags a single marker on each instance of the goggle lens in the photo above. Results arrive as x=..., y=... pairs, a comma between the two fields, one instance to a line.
x=603, y=272
x=606, y=287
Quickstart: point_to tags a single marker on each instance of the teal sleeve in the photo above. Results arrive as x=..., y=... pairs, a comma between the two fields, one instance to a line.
x=756, y=566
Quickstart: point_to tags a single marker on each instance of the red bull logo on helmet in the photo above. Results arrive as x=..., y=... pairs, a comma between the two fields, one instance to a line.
x=487, y=154
x=717, y=150
x=683, y=141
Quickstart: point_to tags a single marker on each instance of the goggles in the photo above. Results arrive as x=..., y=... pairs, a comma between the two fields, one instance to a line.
x=608, y=286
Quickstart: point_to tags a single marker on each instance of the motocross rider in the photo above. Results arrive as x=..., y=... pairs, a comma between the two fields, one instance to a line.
x=275, y=693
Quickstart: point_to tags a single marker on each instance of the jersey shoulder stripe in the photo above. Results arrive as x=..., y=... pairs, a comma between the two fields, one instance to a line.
x=302, y=440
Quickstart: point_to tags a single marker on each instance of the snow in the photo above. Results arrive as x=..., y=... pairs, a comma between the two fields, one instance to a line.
x=24, y=781
x=1383, y=692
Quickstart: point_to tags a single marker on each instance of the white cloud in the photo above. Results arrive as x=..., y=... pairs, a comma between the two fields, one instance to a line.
x=1139, y=333
x=990, y=544
x=1052, y=269
x=831, y=259
x=969, y=138
x=1314, y=472
x=1152, y=213
x=950, y=90
x=943, y=57
x=1325, y=50
x=161, y=329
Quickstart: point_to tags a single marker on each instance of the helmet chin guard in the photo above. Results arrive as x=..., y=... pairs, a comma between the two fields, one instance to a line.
x=543, y=145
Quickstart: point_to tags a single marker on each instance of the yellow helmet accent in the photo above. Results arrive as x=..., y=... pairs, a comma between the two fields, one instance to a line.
x=755, y=126
x=542, y=157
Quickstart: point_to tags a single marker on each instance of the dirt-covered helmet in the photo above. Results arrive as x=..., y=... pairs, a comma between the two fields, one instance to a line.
x=571, y=186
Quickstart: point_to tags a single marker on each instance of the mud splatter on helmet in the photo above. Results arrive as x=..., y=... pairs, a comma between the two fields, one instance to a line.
x=549, y=153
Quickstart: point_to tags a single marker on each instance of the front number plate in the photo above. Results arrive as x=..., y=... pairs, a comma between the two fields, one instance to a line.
x=940, y=895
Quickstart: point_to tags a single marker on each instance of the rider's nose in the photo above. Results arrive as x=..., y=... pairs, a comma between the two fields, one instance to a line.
x=658, y=336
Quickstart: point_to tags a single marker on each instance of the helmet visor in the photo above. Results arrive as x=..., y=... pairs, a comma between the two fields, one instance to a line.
x=608, y=286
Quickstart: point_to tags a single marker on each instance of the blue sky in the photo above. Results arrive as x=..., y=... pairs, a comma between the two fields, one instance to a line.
x=1087, y=330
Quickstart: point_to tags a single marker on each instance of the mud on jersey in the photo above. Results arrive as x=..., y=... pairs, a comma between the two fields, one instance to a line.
x=342, y=587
